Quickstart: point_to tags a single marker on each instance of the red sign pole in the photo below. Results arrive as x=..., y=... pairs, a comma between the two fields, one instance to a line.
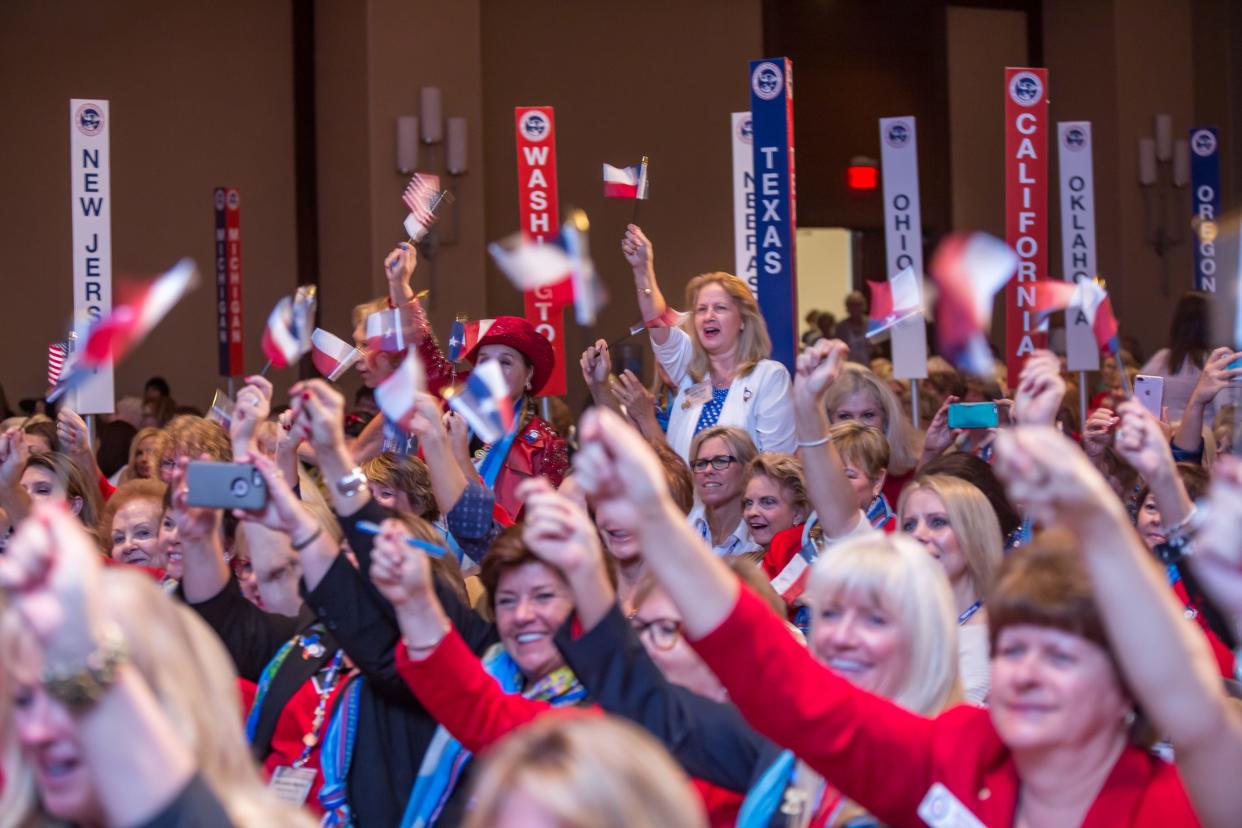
x=537, y=206
x=1026, y=208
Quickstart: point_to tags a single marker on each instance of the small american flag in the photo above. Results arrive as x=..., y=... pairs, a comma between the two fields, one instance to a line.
x=57, y=356
x=421, y=196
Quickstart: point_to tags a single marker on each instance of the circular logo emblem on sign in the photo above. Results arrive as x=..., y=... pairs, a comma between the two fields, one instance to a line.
x=1075, y=138
x=745, y=130
x=1026, y=89
x=1203, y=142
x=534, y=126
x=898, y=135
x=767, y=80
x=219, y=199
x=234, y=199
x=89, y=119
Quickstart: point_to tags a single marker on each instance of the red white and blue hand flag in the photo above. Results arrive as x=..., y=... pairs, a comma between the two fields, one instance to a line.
x=386, y=332
x=396, y=394
x=532, y=265
x=287, y=336
x=331, y=355
x=112, y=337
x=422, y=196
x=626, y=182
x=892, y=302
x=1084, y=297
x=57, y=355
x=466, y=334
x=969, y=270
x=484, y=402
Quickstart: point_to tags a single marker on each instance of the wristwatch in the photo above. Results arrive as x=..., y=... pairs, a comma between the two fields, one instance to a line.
x=352, y=483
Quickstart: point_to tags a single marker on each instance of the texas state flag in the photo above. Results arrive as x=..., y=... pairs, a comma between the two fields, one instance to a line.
x=969, y=271
x=1085, y=297
x=287, y=336
x=331, y=355
x=395, y=395
x=893, y=301
x=115, y=335
x=532, y=265
x=466, y=334
x=484, y=402
x=626, y=182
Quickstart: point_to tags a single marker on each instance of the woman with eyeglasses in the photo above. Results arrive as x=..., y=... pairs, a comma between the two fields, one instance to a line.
x=721, y=456
x=717, y=357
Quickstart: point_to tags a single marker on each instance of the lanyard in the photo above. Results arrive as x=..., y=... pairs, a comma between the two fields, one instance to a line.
x=970, y=611
x=311, y=648
x=311, y=739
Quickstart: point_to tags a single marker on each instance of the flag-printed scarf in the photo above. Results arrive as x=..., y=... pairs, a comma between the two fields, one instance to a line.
x=446, y=758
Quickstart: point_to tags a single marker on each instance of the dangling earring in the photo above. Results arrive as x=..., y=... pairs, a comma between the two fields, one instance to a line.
x=1130, y=718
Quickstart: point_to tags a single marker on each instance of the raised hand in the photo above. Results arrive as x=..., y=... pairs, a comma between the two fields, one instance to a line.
x=1097, y=432
x=13, y=456
x=73, y=437
x=194, y=524
x=636, y=248
x=1218, y=545
x=399, y=266
x=939, y=436
x=254, y=406
x=321, y=408
x=557, y=529
x=1216, y=375
x=816, y=369
x=615, y=463
x=1047, y=474
x=284, y=511
x=458, y=431
x=1040, y=390
x=1142, y=442
x=596, y=364
x=400, y=572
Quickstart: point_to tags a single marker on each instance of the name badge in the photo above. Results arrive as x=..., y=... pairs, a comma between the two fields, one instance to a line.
x=698, y=394
x=292, y=785
x=941, y=809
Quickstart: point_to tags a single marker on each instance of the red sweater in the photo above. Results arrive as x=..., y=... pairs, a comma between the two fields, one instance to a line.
x=884, y=757
x=459, y=694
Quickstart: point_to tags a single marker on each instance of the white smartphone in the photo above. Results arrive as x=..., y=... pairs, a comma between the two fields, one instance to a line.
x=1149, y=391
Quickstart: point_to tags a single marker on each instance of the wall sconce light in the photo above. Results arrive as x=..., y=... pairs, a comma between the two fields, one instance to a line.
x=1164, y=167
x=407, y=144
x=433, y=120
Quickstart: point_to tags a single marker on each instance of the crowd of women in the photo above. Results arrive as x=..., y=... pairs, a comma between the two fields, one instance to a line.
x=735, y=596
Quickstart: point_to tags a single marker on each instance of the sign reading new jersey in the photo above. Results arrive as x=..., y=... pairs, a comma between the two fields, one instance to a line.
x=1205, y=203
x=229, y=281
x=537, y=208
x=744, y=201
x=771, y=110
x=1077, y=236
x=91, y=206
x=903, y=235
x=1026, y=208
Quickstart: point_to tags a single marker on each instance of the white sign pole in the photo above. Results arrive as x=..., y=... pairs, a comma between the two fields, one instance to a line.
x=744, y=201
x=903, y=243
x=91, y=206
x=1077, y=236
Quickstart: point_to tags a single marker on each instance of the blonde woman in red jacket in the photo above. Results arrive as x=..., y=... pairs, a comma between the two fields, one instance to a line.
x=1053, y=750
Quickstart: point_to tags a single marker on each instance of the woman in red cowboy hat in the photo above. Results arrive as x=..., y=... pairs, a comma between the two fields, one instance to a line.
x=533, y=449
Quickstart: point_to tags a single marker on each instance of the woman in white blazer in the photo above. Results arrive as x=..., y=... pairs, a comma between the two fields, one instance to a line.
x=716, y=356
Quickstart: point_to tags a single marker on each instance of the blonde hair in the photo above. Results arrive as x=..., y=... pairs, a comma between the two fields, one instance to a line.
x=740, y=444
x=587, y=771
x=973, y=521
x=753, y=343
x=903, y=449
x=899, y=575
x=189, y=436
x=863, y=446
x=152, y=471
x=786, y=471
x=183, y=662
x=74, y=480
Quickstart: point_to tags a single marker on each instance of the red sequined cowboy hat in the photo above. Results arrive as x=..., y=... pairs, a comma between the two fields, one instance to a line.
x=522, y=337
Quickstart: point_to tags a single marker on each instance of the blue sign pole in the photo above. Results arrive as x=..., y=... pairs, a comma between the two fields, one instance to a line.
x=771, y=109
x=1205, y=203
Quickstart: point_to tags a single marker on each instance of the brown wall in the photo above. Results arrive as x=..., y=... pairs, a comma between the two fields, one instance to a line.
x=200, y=96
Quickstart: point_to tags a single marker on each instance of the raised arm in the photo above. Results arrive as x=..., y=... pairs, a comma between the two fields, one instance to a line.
x=75, y=441
x=1215, y=377
x=254, y=406
x=596, y=365
x=827, y=487
x=13, y=457
x=638, y=252
x=1164, y=657
x=1141, y=441
x=399, y=270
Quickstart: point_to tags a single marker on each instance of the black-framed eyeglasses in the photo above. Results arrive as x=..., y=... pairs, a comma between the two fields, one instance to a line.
x=663, y=632
x=720, y=462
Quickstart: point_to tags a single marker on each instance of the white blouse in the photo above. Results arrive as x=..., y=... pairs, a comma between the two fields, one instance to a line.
x=758, y=403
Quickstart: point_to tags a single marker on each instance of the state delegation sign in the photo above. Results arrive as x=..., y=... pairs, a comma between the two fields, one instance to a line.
x=91, y=206
x=1026, y=208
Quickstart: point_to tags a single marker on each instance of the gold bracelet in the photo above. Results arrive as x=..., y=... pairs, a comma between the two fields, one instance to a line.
x=80, y=688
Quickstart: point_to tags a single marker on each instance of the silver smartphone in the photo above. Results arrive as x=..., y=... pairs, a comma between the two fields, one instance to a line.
x=225, y=486
x=1149, y=390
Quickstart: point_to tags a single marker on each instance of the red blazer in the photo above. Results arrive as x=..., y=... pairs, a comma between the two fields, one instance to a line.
x=537, y=451
x=454, y=688
x=884, y=757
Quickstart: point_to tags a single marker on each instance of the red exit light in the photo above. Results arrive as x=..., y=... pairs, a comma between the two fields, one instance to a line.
x=859, y=177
